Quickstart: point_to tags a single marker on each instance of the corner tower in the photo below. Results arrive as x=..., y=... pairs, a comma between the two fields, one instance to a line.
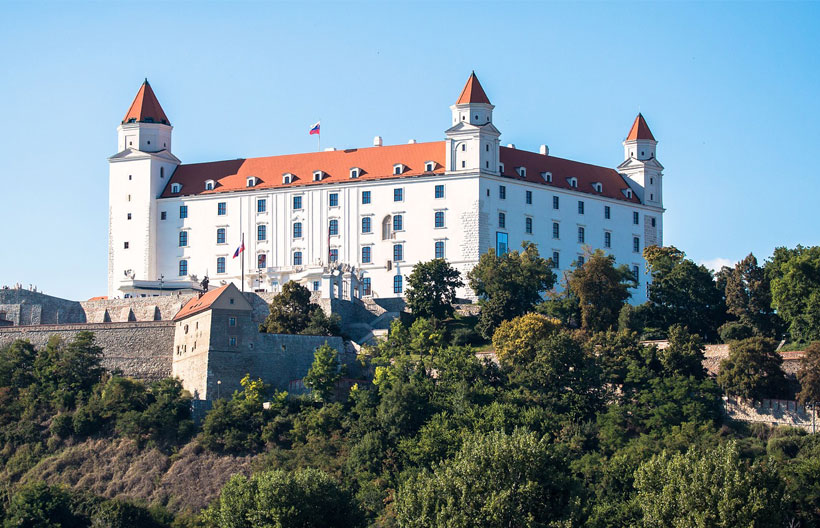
x=641, y=167
x=472, y=140
x=137, y=175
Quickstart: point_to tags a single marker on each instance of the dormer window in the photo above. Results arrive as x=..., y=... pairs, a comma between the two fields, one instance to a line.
x=287, y=178
x=355, y=172
x=547, y=176
x=573, y=182
x=429, y=166
x=251, y=181
x=501, y=168
x=398, y=168
x=318, y=175
x=522, y=171
x=209, y=185
x=175, y=188
x=627, y=193
x=598, y=187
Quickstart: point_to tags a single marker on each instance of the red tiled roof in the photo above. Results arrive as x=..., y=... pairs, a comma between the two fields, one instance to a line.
x=639, y=130
x=99, y=298
x=146, y=108
x=199, y=304
x=376, y=163
x=473, y=92
x=562, y=169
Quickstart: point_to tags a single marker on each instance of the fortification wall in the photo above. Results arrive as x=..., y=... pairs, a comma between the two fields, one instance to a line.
x=771, y=412
x=139, y=349
x=162, y=308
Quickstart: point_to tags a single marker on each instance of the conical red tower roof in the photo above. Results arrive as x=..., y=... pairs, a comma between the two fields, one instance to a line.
x=473, y=92
x=640, y=130
x=146, y=108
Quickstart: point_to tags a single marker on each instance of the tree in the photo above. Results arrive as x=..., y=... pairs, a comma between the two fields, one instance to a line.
x=602, y=290
x=681, y=292
x=291, y=312
x=795, y=284
x=67, y=371
x=306, y=498
x=749, y=297
x=431, y=289
x=753, y=369
x=705, y=489
x=495, y=480
x=684, y=354
x=41, y=506
x=809, y=375
x=324, y=373
x=516, y=340
x=509, y=285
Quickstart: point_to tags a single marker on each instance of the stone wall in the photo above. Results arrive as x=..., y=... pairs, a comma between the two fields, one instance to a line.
x=139, y=349
x=771, y=412
x=26, y=307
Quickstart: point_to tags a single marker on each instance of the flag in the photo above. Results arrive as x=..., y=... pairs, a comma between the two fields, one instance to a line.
x=315, y=128
x=239, y=250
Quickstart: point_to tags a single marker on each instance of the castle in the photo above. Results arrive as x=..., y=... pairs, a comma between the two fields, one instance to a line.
x=352, y=223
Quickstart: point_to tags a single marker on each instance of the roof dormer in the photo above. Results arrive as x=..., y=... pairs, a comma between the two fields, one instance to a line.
x=355, y=172
x=287, y=178
x=176, y=187
x=547, y=176
x=521, y=171
x=209, y=185
x=627, y=193
x=318, y=175
x=429, y=166
x=598, y=186
x=399, y=168
x=251, y=181
x=573, y=182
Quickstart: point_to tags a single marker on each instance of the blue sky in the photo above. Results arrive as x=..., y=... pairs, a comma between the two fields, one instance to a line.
x=731, y=91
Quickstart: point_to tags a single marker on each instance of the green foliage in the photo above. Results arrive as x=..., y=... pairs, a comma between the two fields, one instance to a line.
x=684, y=355
x=753, y=370
x=735, y=331
x=601, y=288
x=714, y=488
x=431, y=289
x=291, y=312
x=41, y=506
x=809, y=375
x=516, y=340
x=495, y=480
x=795, y=285
x=509, y=285
x=749, y=298
x=681, y=292
x=324, y=373
x=305, y=498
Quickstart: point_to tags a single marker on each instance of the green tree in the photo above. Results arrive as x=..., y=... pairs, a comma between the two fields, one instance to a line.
x=17, y=364
x=753, y=369
x=516, y=340
x=495, y=480
x=291, y=312
x=602, y=289
x=706, y=489
x=795, y=284
x=684, y=354
x=809, y=375
x=749, y=297
x=324, y=373
x=431, y=289
x=68, y=371
x=509, y=285
x=39, y=505
x=681, y=292
x=305, y=498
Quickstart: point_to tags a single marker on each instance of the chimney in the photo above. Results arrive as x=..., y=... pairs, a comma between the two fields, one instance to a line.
x=545, y=150
x=511, y=145
x=377, y=141
x=411, y=142
x=330, y=149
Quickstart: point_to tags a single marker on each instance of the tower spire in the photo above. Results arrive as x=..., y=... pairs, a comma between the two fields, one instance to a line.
x=640, y=130
x=473, y=92
x=146, y=107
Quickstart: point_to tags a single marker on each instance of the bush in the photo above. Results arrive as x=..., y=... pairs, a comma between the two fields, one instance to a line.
x=735, y=331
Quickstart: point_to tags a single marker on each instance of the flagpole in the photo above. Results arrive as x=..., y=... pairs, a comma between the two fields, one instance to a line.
x=241, y=245
x=319, y=136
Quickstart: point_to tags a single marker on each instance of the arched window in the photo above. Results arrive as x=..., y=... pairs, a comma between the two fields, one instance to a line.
x=386, y=225
x=397, y=284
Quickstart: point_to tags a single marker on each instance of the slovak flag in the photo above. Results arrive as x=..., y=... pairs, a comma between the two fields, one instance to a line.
x=239, y=250
x=315, y=128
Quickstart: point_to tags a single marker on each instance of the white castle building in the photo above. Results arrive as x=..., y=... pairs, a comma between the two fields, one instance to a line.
x=354, y=222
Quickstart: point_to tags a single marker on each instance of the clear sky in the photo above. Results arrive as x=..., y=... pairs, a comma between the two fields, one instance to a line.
x=731, y=91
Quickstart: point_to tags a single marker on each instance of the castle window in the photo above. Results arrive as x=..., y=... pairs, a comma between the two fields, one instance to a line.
x=635, y=218
x=183, y=268
x=297, y=202
x=398, y=168
x=502, y=220
x=607, y=239
x=220, y=235
x=653, y=221
x=354, y=172
x=333, y=199
x=463, y=165
x=129, y=216
x=398, y=195
x=366, y=224
x=580, y=207
x=439, y=192
x=125, y=245
x=555, y=202
x=641, y=153
x=598, y=187
x=231, y=321
x=573, y=182
x=439, y=249
x=556, y=230
x=366, y=255
x=636, y=245
x=501, y=168
x=398, y=223
x=261, y=205
x=528, y=225
x=528, y=197
x=463, y=147
x=175, y=188
x=162, y=172
x=183, y=239
x=607, y=212
x=397, y=284
x=439, y=219
x=162, y=215
x=502, y=192
x=386, y=232
x=580, y=261
x=651, y=196
x=317, y=286
x=262, y=261
x=651, y=181
x=556, y=262
x=209, y=185
x=297, y=230
x=429, y=166
x=251, y=182
x=261, y=232
x=365, y=197
x=232, y=341
x=635, y=273
x=487, y=147
x=297, y=258
x=334, y=255
x=398, y=252
x=317, y=175
x=183, y=211
x=501, y=243
x=522, y=171
x=129, y=177
x=333, y=229
x=627, y=193
x=220, y=264
x=221, y=208
x=581, y=234
x=287, y=178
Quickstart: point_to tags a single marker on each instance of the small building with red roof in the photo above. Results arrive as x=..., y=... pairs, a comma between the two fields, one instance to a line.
x=352, y=222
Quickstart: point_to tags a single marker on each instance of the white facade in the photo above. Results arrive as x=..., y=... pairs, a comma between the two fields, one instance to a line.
x=461, y=203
